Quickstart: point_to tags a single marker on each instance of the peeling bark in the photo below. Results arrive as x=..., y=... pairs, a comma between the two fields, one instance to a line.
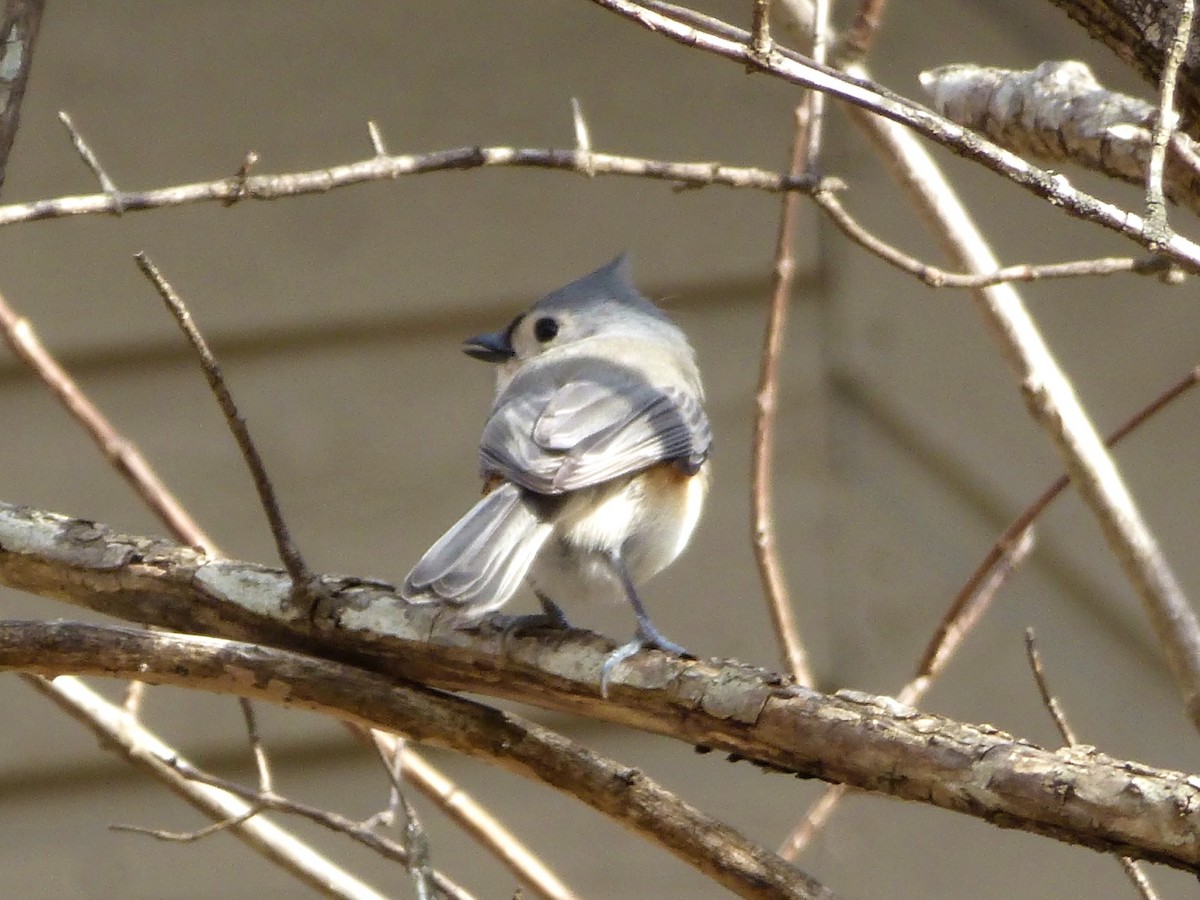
x=1059, y=112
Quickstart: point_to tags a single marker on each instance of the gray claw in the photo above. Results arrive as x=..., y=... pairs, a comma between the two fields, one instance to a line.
x=647, y=637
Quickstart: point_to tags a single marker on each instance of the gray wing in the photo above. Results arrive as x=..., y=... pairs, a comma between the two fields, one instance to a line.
x=561, y=438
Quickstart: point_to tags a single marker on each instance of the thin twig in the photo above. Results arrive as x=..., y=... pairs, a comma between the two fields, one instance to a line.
x=135, y=694
x=857, y=41
x=760, y=27
x=142, y=748
x=816, y=99
x=417, y=845
x=93, y=162
x=266, y=799
x=393, y=764
x=805, y=151
x=119, y=452
x=583, y=139
x=1048, y=699
x=1026, y=519
x=462, y=809
x=195, y=835
x=1164, y=124
x=1132, y=870
x=261, y=763
x=962, y=617
x=953, y=631
x=940, y=278
x=816, y=817
x=377, y=142
x=239, y=178
x=305, y=586
x=384, y=168
x=766, y=404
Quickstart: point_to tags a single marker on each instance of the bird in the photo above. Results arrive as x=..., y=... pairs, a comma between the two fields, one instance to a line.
x=594, y=458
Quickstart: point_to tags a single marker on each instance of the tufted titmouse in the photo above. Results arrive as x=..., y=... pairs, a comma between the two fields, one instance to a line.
x=594, y=458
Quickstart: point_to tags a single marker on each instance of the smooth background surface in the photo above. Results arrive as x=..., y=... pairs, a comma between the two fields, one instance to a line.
x=903, y=443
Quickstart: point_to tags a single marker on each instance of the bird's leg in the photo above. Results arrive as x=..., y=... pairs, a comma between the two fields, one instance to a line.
x=647, y=635
x=552, y=611
x=551, y=616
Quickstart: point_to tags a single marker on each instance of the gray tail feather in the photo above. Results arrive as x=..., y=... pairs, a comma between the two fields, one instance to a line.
x=481, y=561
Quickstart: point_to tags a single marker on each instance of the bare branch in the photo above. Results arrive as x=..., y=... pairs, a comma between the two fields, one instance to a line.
x=1132, y=870
x=1166, y=120
x=384, y=168
x=120, y=453
x=261, y=763
x=377, y=701
x=93, y=163
x=305, y=587
x=143, y=749
x=471, y=817
x=265, y=799
x=1052, y=402
x=956, y=624
x=761, y=28
x=868, y=742
x=870, y=97
x=940, y=278
x=766, y=403
x=1048, y=699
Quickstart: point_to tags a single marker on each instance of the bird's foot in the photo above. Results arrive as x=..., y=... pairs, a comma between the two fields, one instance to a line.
x=551, y=617
x=647, y=638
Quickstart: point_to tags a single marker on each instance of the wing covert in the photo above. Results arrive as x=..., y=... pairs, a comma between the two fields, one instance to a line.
x=565, y=437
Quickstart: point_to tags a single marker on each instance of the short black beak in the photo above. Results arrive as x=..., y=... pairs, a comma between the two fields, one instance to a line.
x=493, y=347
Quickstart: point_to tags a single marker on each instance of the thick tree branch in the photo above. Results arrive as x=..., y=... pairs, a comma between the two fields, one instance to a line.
x=376, y=701
x=1059, y=112
x=1135, y=30
x=868, y=742
x=18, y=34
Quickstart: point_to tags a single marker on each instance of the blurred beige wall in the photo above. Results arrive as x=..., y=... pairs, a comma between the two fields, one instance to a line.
x=904, y=445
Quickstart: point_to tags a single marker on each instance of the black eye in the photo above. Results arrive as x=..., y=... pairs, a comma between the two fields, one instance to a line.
x=545, y=329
